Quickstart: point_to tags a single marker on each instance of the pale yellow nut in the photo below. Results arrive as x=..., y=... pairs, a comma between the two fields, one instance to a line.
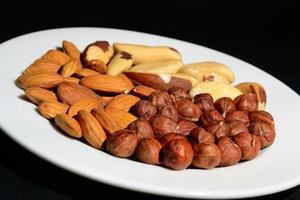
x=99, y=50
x=69, y=125
x=144, y=54
x=166, y=67
x=214, y=67
x=216, y=89
x=92, y=131
x=121, y=61
x=70, y=67
x=37, y=95
x=257, y=89
x=50, y=109
x=203, y=76
x=193, y=80
x=71, y=49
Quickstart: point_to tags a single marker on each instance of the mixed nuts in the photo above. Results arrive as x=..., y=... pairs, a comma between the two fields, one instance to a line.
x=143, y=102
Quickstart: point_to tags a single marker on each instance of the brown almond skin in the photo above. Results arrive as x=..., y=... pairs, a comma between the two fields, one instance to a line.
x=162, y=125
x=249, y=143
x=165, y=139
x=188, y=110
x=122, y=143
x=184, y=127
x=200, y=135
x=238, y=115
x=231, y=153
x=142, y=129
x=144, y=109
x=224, y=105
x=218, y=130
x=177, y=154
x=148, y=151
x=169, y=111
x=246, y=102
x=264, y=131
x=204, y=101
x=211, y=117
x=160, y=99
x=206, y=155
x=178, y=94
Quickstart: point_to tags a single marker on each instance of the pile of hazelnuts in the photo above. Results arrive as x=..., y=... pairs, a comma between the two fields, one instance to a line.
x=177, y=131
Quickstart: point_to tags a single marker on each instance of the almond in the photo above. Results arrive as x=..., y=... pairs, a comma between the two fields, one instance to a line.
x=122, y=102
x=84, y=104
x=71, y=49
x=128, y=82
x=43, y=65
x=70, y=93
x=106, y=83
x=122, y=117
x=84, y=72
x=50, y=109
x=107, y=122
x=143, y=91
x=69, y=125
x=39, y=79
x=72, y=79
x=70, y=68
x=56, y=56
x=92, y=131
x=37, y=95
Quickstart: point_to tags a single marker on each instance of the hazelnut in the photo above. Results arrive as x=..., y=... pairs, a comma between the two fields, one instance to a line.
x=246, y=102
x=169, y=111
x=224, y=105
x=188, y=110
x=142, y=129
x=184, y=127
x=218, y=130
x=204, y=101
x=178, y=94
x=211, y=117
x=170, y=136
x=265, y=131
x=200, y=135
x=261, y=116
x=231, y=153
x=237, y=116
x=249, y=144
x=122, y=143
x=206, y=155
x=236, y=127
x=160, y=99
x=148, y=151
x=144, y=109
x=162, y=125
x=177, y=154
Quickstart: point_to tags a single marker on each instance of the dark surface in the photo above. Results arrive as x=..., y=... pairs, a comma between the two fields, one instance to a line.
x=260, y=33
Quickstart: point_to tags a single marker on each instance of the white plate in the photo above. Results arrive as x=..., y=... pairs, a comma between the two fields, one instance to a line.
x=274, y=170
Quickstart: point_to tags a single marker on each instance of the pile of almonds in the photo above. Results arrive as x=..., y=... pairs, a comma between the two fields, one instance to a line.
x=136, y=101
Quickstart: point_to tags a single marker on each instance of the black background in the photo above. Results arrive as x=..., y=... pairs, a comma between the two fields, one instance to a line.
x=259, y=32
